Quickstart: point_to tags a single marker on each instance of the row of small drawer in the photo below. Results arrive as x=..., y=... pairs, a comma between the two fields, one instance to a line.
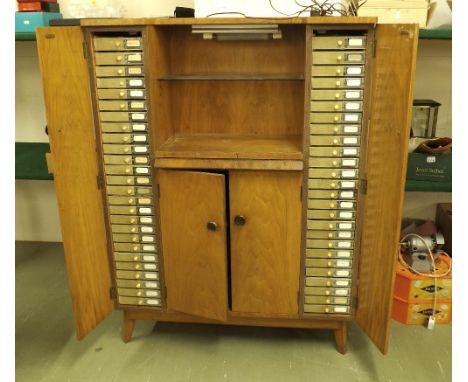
x=322, y=95
x=124, y=94
x=328, y=272
x=123, y=83
x=329, y=263
x=136, y=58
x=332, y=163
x=330, y=243
x=122, y=116
x=333, y=152
x=320, y=309
x=122, y=105
x=327, y=253
x=333, y=173
x=119, y=43
x=132, y=238
x=330, y=117
x=315, y=214
x=131, y=170
x=330, y=235
x=338, y=42
x=326, y=204
x=134, y=247
x=135, y=266
x=324, y=58
x=333, y=129
x=315, y=106
x=337, y=71
x=331, y=184
x=316, y=83
x=131, y=210
x=115, y=180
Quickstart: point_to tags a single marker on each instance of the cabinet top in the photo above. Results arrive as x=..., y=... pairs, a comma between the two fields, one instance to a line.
x=228, y=20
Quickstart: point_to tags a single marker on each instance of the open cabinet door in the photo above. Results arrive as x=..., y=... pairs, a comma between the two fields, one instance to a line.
x=73, y=151
x=193, y=231
x=392, y=99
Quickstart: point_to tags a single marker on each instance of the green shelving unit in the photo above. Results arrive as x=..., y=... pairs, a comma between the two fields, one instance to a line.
x=423, y=186
x=435, y=34
x=29, y=36
x=30, y=161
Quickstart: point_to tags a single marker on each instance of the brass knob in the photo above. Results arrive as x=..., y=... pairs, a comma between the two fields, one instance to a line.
x=125, y=139
x=135, y=259
x=133, y=230
x=333, y=185
x=132, y=210
x=127, y=160
x=117, y=44
x=132, y=220
x=329, y=264
x=327, y=300
x=139, y=293
x=126, y=149
x=140, y=302
x=121, y=94
x=340, y=42
x=240, y=220
x=332, y=195
x=119, y=58
x=335, y=153
x=335, y=141
x=134, y=239
x=129, y=191
x=330, y=226
x=129, y=181
x=337, y=95
x=338, y=71
x=137, y=276
x=336, y=118
x=138, y=285
x=336, y=107
x=332, y=205
x=327, y=292
x=137, y=266
x=124, y=127
x=330, y=245
x=121, y=83
x=131, y=201
x=333, y=174
x=119, y=71
x=329, y=254
x=335, y=163
x=127, y=171
x=122, y=106
x=332, y=214
x=337, y=83
x=335, y=129
x=339, y=58
x=330, y=235
x=329, y=273
x=327, y=310
x=135, y=248
x=212, y=226
x=328, y=283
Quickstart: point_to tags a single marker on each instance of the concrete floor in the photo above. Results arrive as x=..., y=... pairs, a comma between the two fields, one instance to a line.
x=47, y=350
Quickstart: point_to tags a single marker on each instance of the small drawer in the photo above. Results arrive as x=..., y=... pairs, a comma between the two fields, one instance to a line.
x=326, y=300
x=332, y=173
x=330, y=235
x=328, y=309
x=133, y=266
x=329, y=244
x=124, y=149
x=134, y=275
x=332, y=58
x=337, y=83
x=330, y=214
x=328, y=272
x=132, y=238
x=129, y=190
x=127, y=170
x=130, y=200
x=138, y=292
x=121, y=105
x=332, y=184
x=338, y=95
x=117, y=43
x=338, y=42
x=331, y=225
x=334, y=140
x=118, y=71
x=128, y=247
x=333, y=163
x=123, y=58
x=141, y=301
x=118, y=228
x=331, y=194
x=117, y=116
x=120, y=94
x=122, y=283
x=124, y=138
x=335, y=117
x=327, y=106
x=123, y=256
x=120, y=83
x=337, y=71
x=112, y=127
x=130, y=210
x=128, y=219
x=324, y=204
x=324, y=291
x=334, y=152
x=323, y=253
x=329, y=263
x=327, y=282
x=321, y=129
x=126, y=159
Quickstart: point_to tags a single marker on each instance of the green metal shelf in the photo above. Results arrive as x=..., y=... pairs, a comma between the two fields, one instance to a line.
x=435, y=34
x=30, y=161
x=25, y=36
x=427, y=186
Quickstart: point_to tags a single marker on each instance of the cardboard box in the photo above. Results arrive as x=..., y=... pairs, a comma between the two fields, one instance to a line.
x=417, y=313
x=27, y=22
x=429, y=167
x=397, y=11
x=444, y=224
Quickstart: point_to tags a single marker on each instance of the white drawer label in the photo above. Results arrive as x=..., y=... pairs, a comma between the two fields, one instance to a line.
x=147, y=229
x=350, y=129
x=135, y=43
x=146, y=220
x=351, y=117
x=350, y=152
x=354, y=71
x=137, y=116
x=340, y=309
x=344, y=235
x=345, y=226
x=137, y=105
x=149, y=258
x=352, y=94
x=352, y=105
x=140, y=149
x=342, y=273
x=136, y=58
x=142, y=180
x=348, y=174
x=136, y=93
x=344, y=244
x=141, y=160
x=348, y=162
x=346, y=205
x=149, y=284
x=151, y=267
x=342, y=283
x=353, y=82
x=134, y=71
x=350, y=141
x=142, y=170
x=346, y=215
x=347, y=194
x=348, y=184
x=152, y=293
x=152, y=276
x=149, y=248
x=355, y=57
x=341, y=292
x=144, y=201
x=144, y=210
x=139, y=138
x=138, y=127
x=147, y=239
x=135, y=83
x=355, y=42
x=153, y=302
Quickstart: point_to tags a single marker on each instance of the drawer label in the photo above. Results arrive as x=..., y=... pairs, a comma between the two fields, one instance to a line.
x=152, y=276
x=152, y=302
x=348, y=184
x=348, y=162
x=346, y=215
x=351, y=117
x=149, y=284
x=152, y=293
x=146, y=220
x=348, y=174
x=135, y=43
x=152, y=267
x=355, y=42
x=139, y=138
x=138, y=127
x=149, y=248
x=342, y=273
x=347, y=194
x=135, y=83
x=350, y=129
x=142, y=170
x=343, y=244
x=137, y=105
x=136, y=93
x=137, y=116
x=144, y=210
x=146, y=229
x=147, y=239
x=353, y=82
x=352, y=94
x=137, y=58
x=354, y=70
x=346, y=205
x=342, y=283
x=349, y=152
x=140, y=149
x=142, y=180
x=134, y=71
x=149, y=258
x=141, y=160
x=340, y=309
x=341, y=292
x=352, y=106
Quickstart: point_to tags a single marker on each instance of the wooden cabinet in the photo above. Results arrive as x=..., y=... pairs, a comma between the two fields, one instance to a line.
x=246, y=181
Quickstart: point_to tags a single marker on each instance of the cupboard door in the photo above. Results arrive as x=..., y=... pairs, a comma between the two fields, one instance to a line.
x=67, y=99
x=193, y=230
x=265, y=214
x=387, y=154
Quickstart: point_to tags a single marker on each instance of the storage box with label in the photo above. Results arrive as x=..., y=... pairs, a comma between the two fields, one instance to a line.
x=429, y=167
x=397, y=11
x=27, y=22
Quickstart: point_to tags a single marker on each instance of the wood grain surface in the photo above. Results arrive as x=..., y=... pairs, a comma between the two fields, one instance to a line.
x=265, y=252
x=70, y=124
x=194, y=257
x=392, y=93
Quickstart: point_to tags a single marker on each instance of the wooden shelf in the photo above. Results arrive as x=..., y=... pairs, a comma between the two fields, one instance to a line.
x=435, y=34
x=30, y=161
x=233, y=77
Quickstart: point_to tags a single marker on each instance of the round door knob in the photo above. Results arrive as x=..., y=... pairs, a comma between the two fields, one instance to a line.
x=332, y=205
x=329, y=273
x=335, y=141
x=137, y=276
x=212, y=226
x=329, y=246
x=127, y=171
x=132, y=210
x=329, y=263
x=119, y=71
x=135, y=248
x=134, y=239
x=239, y=220
x=328, y=283
x=333, y=185
x=333, y=174
x=332, y=215
x=340, y=42
x=327, y=300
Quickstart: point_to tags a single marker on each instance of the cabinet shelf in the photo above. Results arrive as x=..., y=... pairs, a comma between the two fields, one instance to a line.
x=435, y=34
x=30, y=161
x=427, y=186
x=233, y=77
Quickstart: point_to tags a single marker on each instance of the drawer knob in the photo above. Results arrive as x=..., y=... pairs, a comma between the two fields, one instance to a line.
x=329, y=264
x=335, y=129
x=339, y=58
x=133, y=230
x=335, y=163
x=329, y=246
x=327, y=300
x=333, y=185
x=121, y=83
x=329, y=273
x=332, y=195
x=336, y=118
x=135, y=248
x=332, y=205
x=137, y=266
x=129, y=191
x=340, y=42
x=121, y=94
x=140, y=302
x=131, y=201
x=330, y=226
x=240, y=220
x=327, y=310
x=337, y=95
x=137, y=276
x=138, y=285
x=335, y=141
x=124, y=127
x=327, y=292
x=129, y=181
x=125, y=139
x=135, y=259
x=332, y=215
x=212, y=226
x=117, y=44
x=119, y=58
x=335, y=153
x=328, y=283
x=330, y=235
x=122, y=106
x=126, y=149
x=127, y=160
x=127, y=171
x=338, y=71
x=119, y=71
x=336, y=107
x=132, y=220
x=139, y=293
x=329, y=254
x=134, y=239
x=333, y=174
x=338, y=83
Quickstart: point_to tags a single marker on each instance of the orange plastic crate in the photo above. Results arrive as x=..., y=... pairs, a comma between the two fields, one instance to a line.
x=417, y=313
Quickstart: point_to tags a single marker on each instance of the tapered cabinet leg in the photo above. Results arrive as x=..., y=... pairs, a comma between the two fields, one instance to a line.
x=341, y=337
x=127, y=327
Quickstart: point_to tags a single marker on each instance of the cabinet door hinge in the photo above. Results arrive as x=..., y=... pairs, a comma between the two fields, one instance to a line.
x=112, y=293
x=85, y=51
x=363, y=186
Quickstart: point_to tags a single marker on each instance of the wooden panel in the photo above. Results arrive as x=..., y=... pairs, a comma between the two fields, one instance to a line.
x=392, y=91
x=194, y=257
x=230, y=164
x=69, y=119
x=233, y=147
x=265, y=252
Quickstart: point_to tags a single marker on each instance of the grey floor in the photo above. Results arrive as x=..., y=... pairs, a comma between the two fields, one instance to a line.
x=47, y=350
